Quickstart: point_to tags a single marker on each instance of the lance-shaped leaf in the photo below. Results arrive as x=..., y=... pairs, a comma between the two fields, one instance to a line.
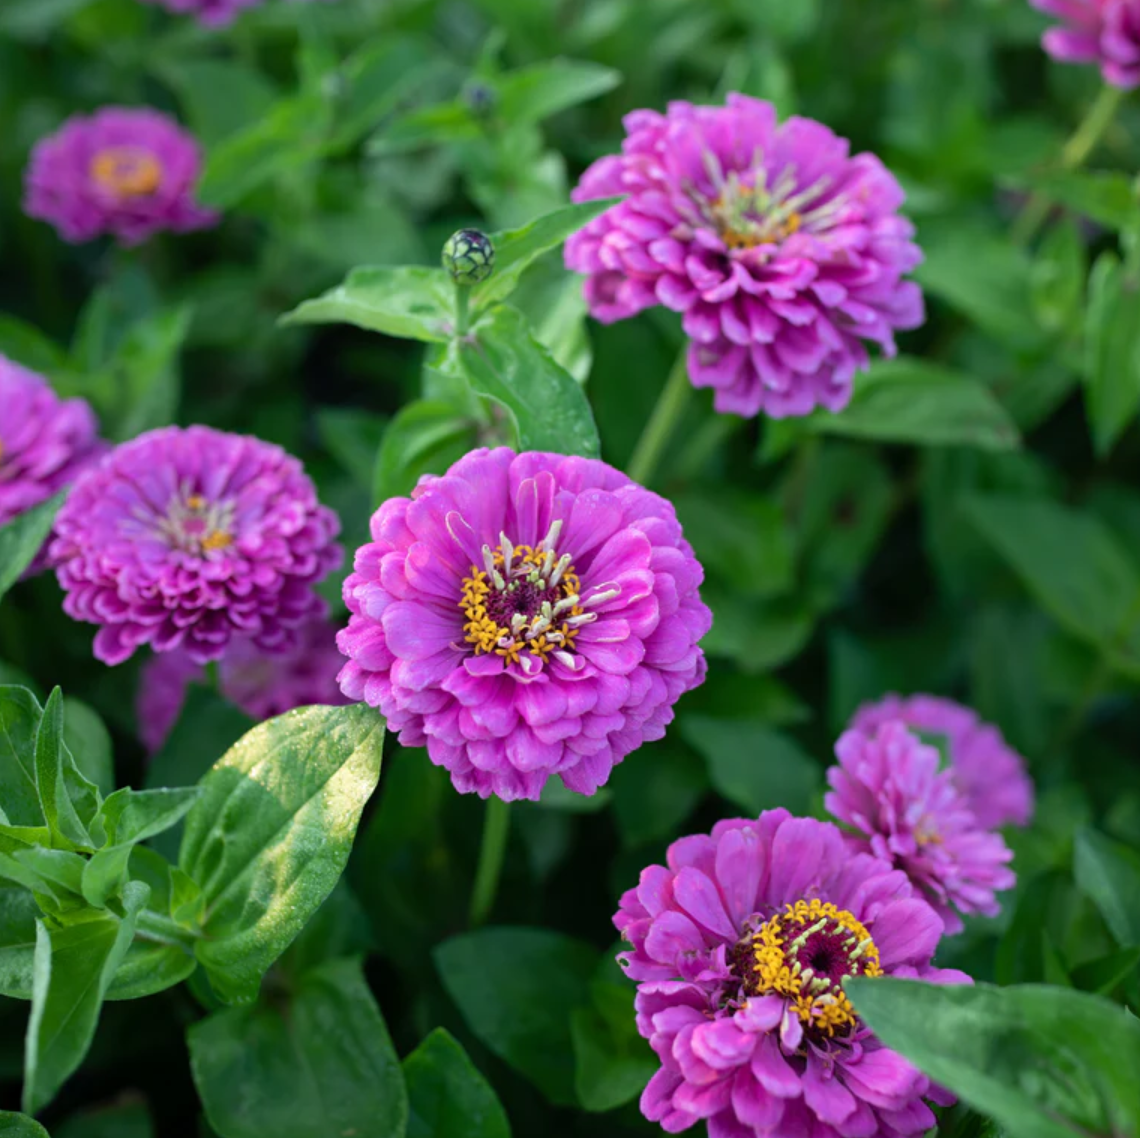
x=73, y=968
x=270, y=835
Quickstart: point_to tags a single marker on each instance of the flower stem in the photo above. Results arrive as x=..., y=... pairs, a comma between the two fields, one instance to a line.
x=1073, y=154
x=496, y=828
x=662, y=423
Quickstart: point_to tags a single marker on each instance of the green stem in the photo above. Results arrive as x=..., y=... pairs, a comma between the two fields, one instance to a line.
x=1073, y=155
x=496, y=829
x=462, y=299
x=662, y=423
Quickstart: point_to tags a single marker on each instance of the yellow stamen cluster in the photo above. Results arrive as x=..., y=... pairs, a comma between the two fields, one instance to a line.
x=546, y=631
x=820, y=1003
x=127, y=171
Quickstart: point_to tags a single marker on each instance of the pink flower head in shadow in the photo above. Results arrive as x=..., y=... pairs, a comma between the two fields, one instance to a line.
x=740, y=946
x=262, y=684
x=522, y=616
x=190, y=538
x=888, y=788
x=986, y=770
x=1104, y=32
x=45, y=441
x=126, y=171
x=784, y=253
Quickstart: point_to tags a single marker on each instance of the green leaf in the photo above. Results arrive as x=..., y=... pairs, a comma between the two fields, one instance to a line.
x=423, y=438
x=316, y=1065
x=271, y=834
x=501, y=360
x=753, y=766
x=1074, y=566
x=73, y=969
x=1044, y=1062
x=447, y=1094
x=1108, y=873
x=130, y=816
x=612, y=1063
x=69, y=800
x=911, y=401
x=517, y=249
x=20, y=716
x=145, y=371
x=20, y=1126
x=22, y=538
x=18, y=913
x=409, y=302
x=517, y=987
x=1112, y=351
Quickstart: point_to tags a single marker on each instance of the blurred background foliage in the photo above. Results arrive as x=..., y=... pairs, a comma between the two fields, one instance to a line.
x=971, y=526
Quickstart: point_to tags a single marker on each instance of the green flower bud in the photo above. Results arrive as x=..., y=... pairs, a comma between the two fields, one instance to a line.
x=469, y=257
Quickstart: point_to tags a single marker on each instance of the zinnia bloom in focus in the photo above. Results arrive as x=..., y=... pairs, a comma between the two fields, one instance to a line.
x=783, y=252
x=45, y=441
x=740, y=947
x=191, y=538
x=262, y=684
x=889, y=789
x=523, y=616
x=1104, y=32
x=129, y=172
x=986, y=770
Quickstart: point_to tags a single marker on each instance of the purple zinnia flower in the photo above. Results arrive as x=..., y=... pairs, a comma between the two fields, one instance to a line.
x=127, y=171
x=740, y=947
x=783, y=252
x=1104, y=32
x=45, y=441
x=262, y=684
x=525, y=615
x=888, y=787
x=190, y=538
x=985, y=769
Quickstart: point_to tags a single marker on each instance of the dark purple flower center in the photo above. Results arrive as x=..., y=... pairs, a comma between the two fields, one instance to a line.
x=805, y=953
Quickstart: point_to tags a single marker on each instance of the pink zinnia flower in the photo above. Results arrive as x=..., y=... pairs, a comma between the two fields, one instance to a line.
x=1104, y=32
x=783, y=252
x=523, y=616
x=740, y=947
x=888, y=788
x=191, y=538
x=262, y=684
x=45, y=441
x=126, y=171
x=986, y=770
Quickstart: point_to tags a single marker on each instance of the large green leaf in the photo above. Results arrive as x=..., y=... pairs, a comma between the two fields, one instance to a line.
x=22, y=538
x=517, y=249
x=447, y=1094
x=19, y=721
x=1109, y=874
x=752, y=765
x=1075, y=567
x=74, y=966
x=501, y=360
x=911, y=401
x=271, y=834
x=517, y=988
x=20, y=1126
x=1112, y=351
x=410, y=302
x=1044, y=1062
x=317, y=1064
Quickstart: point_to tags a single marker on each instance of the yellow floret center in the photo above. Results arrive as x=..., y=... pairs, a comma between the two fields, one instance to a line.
x=784, y=948
x=128, y=171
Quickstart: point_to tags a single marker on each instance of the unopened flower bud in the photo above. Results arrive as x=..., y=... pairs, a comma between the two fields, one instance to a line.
x=469, y=256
